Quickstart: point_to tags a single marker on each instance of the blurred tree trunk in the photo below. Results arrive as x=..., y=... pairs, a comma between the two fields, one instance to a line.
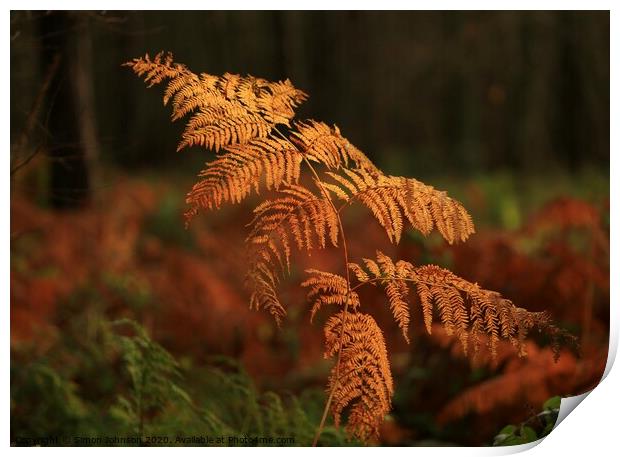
x=70, y=122
x=85, y=99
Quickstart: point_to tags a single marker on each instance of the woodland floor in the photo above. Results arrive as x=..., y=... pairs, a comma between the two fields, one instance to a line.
x=542, y=242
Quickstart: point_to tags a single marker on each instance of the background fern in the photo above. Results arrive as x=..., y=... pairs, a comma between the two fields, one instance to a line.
x=155, y=399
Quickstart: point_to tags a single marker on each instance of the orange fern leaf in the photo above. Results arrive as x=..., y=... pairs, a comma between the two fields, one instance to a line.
x=324, y=144
x=489, y=313
x=239, y=115
x=159, y=69
x=386, y=272
x=393, y=198
x=227, y=110
x=223, y=131
x=278, y=100
x=329, y=289
x=363, y=379
x=232, y=176
x=310, y=220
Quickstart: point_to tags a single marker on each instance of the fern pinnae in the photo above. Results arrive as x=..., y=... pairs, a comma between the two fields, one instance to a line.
x=425, y=295
x=156, y=70
x=362, y=348
x=391, y=197
x=396, y=293
x=228, y=113
x=180, y=85
x=238, y=117
x=460, y=317
x=280, y=100
x=323, y=144
x=444, y=306
x=232, y=176
x=359, y=272
x=328, y=289
x=199, y=93
x=489, y=313
x=307, y=216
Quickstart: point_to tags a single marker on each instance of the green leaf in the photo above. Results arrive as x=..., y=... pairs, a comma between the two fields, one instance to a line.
x=508, y=440
x=548, y=428
x=506, y=436
x=528, y=434
x=552, y=403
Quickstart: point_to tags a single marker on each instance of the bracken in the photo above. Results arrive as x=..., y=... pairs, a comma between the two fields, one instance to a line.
x=238, y=117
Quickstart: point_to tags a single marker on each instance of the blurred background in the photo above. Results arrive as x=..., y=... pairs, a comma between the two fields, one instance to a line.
x=508, y=111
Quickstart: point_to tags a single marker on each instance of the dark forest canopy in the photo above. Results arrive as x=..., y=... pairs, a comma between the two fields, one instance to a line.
x=429, y=92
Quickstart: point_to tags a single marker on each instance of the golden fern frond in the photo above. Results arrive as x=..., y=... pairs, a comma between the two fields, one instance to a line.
x=388, y=274
x=232, y=176
x=240, y=115
x=262, y=279
x=328, y=289
x=237, y=128
x=190, y=92
x=489, y=313
x=306, y=216
x=393, y=198
x=187, y=90
x=227, y=110
x=363, y=378
x=160, y=68
x=278, y=100
x=324, y=144
x=450, y=293
x=310, y=220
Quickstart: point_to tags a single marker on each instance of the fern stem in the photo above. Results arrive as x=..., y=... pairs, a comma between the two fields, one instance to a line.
x=397, y=278
x=394, y=278
x=346, y=306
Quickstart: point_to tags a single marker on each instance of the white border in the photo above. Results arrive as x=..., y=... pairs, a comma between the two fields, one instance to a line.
x=592, y=429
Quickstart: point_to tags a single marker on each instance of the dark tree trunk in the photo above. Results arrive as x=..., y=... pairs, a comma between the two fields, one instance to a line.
x=69, y=177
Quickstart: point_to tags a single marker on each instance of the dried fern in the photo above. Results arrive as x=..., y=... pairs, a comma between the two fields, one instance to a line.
x=394, y=198
x=299, y=217
x=362, y=379
x=238, y=117
x=231, y=177
x=464, y=309
x=223, y=110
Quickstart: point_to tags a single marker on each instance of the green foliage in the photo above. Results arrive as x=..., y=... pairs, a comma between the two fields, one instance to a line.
x=63, y=411
x=74, y=391
x=233, y=407
x=534, y=428
x=154, y=375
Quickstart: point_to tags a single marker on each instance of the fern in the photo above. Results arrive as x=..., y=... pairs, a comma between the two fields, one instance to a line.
x=240, y=410
x=225, y=110
x=154, y=376
x=51, y=404
x=232, y=176
x=238, y=117
x=441, y=290
x=363, y=378
x=394, y=198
